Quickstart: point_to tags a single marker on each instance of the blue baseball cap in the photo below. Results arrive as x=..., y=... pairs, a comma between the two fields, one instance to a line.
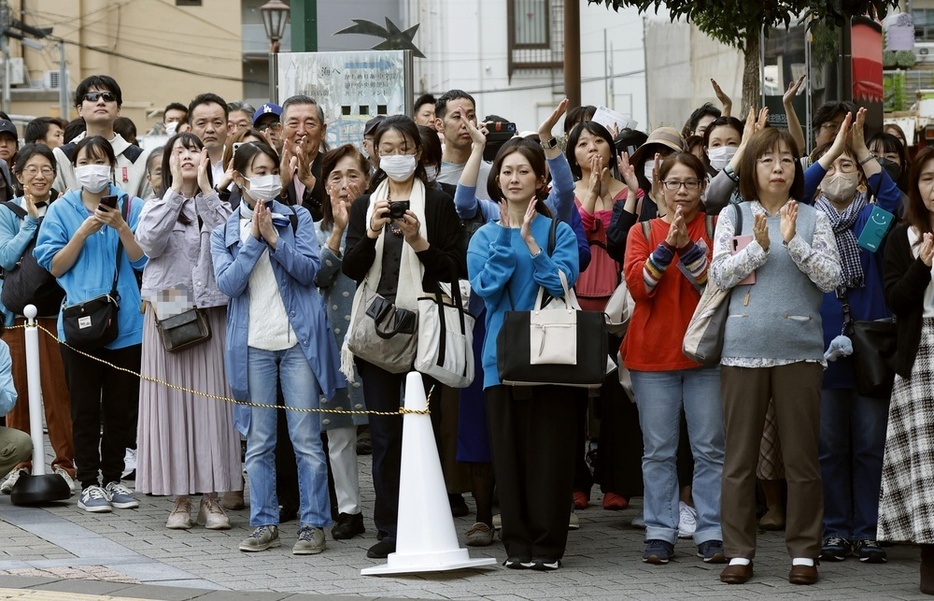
x=269, y=108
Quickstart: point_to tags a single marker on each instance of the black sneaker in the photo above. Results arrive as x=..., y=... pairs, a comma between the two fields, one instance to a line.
x=835, y=548
x=711, y=551
x=545, y=565
x=458, y=505
x=381, y=550
x=658, y=552
x=348, y=526
x=869, y=551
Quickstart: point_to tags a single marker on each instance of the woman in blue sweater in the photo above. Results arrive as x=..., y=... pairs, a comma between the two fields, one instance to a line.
x=531, y=429
x=852, y=424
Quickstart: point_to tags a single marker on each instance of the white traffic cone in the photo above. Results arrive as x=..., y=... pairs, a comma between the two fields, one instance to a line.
x=426, y=540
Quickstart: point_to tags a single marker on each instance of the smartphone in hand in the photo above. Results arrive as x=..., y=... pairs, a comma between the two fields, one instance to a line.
x=110, y=202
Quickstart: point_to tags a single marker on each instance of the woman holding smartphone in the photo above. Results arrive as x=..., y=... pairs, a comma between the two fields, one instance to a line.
x=78, y=244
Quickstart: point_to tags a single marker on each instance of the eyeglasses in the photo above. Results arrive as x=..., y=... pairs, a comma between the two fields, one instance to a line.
x=273, y=125
x=32, y=170
x=769, y=162
x=842, y=166
x=673, y=185
x=94, y=96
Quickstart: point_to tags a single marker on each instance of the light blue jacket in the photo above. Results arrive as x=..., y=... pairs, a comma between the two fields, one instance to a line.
x=7, y=390
x=498, y=261
x=295, y=262
x=15, y=235
x=93, y=272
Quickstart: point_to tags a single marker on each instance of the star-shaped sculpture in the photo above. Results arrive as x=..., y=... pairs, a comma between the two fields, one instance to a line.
x=393, y=37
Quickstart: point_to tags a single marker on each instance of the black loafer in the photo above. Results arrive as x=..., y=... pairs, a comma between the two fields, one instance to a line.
x=348, y=526
x=381, y=550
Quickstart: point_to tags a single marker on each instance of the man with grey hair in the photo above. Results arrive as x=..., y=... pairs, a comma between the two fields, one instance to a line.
x=303, y=133
x=239, y=116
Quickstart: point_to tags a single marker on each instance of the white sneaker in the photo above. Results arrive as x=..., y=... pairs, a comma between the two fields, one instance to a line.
x=574, y=523
x=688, y=523
x=638, y=522
x=67, y=478
x=211, y=515
x=11, y=479
x=129, y=465
x=180, y=517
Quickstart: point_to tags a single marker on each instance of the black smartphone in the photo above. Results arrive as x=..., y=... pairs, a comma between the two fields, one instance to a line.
x=397, y=208
x=498, y=133
x=109, y=201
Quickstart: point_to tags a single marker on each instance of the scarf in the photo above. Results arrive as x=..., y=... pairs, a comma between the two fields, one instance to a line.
x=409, y=286
x=842, y=225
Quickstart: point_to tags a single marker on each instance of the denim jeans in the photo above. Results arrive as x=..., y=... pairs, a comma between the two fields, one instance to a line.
x=299, y=389
x=660, y=397
x=852, y=441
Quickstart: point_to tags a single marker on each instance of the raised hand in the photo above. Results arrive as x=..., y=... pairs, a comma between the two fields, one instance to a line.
x=789, y=214
x=30, y=204
x=678, y=231
x=763, y=121
x=544, y=130
x=627, y=172
x=526, y=229
x=792, y=91
x=725, y=100
x=926, y=252
x=857, y=133
x=760, y=230
x=477, y=137
x=204, y=183
x=176, y=170
x=341, y=214
x=504, y=214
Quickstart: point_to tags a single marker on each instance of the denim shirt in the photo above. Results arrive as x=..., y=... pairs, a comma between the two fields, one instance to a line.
x=15, y=235
x=7, y=390
x=93, y=272
x=295, y=262
x=180, y=254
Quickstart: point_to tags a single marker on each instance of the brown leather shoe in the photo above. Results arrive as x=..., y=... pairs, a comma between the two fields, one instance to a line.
x=736, y=574
x=802, y=575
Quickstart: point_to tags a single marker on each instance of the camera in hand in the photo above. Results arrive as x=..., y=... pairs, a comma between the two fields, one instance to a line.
x=397, y=208
x=497, y=134
x=109, y=201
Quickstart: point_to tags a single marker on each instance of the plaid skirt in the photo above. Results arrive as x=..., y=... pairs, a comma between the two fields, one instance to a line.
x=906, y=503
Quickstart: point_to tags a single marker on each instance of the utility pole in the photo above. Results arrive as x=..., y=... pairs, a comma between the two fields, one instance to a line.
x=572, y=52
x=63, y=86
x=5, y=20
x=304, y=25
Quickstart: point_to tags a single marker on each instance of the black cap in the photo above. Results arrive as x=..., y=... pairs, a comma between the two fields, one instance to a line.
x=371, y=125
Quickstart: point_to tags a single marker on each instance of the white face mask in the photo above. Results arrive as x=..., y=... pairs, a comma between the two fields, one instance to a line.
x=648, y=169
x=839, y=186
x=399, y=167
x=93, y=178
x=264, y=187
x=721, y=156
x=171, y=128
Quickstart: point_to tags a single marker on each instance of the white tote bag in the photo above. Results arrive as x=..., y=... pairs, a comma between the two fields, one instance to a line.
x=445, y=339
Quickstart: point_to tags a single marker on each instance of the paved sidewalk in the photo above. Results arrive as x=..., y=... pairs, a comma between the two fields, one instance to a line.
x=57, y=551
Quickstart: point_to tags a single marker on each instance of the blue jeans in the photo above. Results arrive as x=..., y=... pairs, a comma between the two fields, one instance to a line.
x=852, y=441
x=267, y=369
x=660, y=397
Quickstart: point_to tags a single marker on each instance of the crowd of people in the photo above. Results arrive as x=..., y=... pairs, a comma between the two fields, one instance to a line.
x=243, y=254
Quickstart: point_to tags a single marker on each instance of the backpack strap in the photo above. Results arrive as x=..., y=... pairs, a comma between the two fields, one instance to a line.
x=69, y=150
x=18, y=210
x=132, y=152
x=294, y=219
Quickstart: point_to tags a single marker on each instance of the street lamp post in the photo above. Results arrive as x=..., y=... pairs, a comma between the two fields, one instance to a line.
x=275, y=18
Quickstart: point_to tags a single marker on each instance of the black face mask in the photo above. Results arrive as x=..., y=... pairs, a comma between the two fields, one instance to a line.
x=891, y=167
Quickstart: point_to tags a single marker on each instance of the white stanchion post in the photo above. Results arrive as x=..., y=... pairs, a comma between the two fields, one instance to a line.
x=35, y=391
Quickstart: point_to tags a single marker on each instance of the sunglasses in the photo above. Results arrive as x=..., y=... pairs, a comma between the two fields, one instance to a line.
x=94, y=96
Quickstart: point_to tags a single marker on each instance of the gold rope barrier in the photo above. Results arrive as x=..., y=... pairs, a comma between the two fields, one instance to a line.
x=401, y=411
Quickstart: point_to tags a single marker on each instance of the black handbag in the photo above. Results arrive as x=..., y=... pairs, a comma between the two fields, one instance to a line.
x=874, y=347
x=184, y=330
x=28, y=283
x=92, y=324
x=561, y=346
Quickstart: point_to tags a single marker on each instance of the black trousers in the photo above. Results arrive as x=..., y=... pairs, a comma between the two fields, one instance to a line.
x=533, y=437
x=104, y=404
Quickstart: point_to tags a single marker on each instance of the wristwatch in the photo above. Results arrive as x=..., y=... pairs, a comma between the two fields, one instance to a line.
x=730, y=173
x=549, y=144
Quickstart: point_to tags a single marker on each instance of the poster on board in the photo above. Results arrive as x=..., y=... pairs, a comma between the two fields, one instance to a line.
x=351, y=86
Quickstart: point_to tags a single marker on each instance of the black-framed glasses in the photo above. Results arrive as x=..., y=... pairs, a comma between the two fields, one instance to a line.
x=273, y=125
x=673, y=185
x=94, y=96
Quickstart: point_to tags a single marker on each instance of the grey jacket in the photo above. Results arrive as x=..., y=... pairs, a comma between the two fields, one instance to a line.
x=180, y=254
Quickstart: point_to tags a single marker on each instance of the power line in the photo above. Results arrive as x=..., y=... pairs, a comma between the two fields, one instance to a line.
x=557, y=84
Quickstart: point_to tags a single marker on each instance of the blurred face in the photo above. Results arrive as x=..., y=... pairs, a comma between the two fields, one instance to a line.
x=174, y=116
x=154, y=173
x=36, y=177
x=517, y=179
x=703, y=124
x=8, y=144
x=99, y=107
x=238, y=121
x=897, y=134
x=828, y=130
x=589, y=146
x=302, y=120
x=454, y=123
x=682, y=188
x=724, y=135
x=189, y=159
x=54, y=137
x=425, y=115
x=775, y=171
x=926, y=184
x=346, y=181
x=209, y=124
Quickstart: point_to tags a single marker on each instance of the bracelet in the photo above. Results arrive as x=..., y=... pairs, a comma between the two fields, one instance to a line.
x=867, y=159
x=372, y=229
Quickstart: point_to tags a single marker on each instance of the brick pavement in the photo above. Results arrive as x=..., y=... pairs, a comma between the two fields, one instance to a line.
x=129, y=553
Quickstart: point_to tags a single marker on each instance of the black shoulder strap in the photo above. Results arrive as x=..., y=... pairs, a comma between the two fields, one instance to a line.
x=132, y=152
x=738, y=222
x=294, y=219
x=124, y=212
x=18, y=210
x=552, y=233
